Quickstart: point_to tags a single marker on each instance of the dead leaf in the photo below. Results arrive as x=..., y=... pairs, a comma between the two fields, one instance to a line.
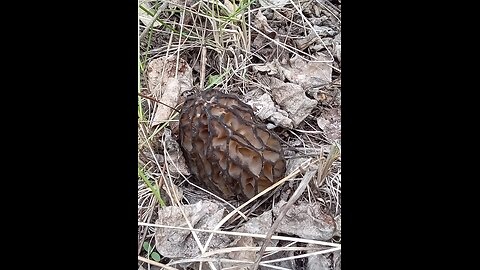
x=265, y=109
x=262, y=44
x=318, y=262
x=174, y=189
x=161, y=69
x=306, y=220
x=244, y=241
x=337, y=256
x=322, y=122
x=307, y=74
x=175, y=158
x=291, y=98
x=338, y=225
x=330, y=122
x=318, y=19
x=303, y=43
x=261, y=23
x=171, y=92
x=167, y=82
x=337, y=45
x=174, y=243
x=327, y=42
x=295, y=163
x=258, y=225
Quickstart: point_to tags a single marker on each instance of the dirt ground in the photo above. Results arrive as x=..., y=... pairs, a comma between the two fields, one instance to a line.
x=281, y=58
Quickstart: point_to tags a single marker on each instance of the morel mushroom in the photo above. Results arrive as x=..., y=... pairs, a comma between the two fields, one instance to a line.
x=227, y=147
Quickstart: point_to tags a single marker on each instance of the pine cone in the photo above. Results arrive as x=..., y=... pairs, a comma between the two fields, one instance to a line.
x=227, y=147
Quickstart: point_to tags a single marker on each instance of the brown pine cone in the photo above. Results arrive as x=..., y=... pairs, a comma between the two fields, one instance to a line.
x=227, y=147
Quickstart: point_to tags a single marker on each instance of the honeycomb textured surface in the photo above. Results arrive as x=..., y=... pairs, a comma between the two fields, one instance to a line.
x=227, y=147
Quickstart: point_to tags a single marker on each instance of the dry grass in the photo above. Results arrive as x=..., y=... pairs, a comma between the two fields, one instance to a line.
x=216, y=40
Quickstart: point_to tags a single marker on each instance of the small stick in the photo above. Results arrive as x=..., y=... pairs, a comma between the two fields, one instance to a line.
x=203, y=60
x=301, y=188
x=158, y=101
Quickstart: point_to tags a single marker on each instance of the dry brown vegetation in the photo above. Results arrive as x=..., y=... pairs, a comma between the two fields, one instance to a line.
x=283, y=59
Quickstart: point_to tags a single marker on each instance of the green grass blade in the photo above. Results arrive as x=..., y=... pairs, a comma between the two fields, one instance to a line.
x=155, y=190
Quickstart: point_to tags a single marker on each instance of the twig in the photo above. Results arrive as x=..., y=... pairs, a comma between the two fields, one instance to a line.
x=158, y=101
x=262, y=236
x=298, y=192
x=203, y=60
